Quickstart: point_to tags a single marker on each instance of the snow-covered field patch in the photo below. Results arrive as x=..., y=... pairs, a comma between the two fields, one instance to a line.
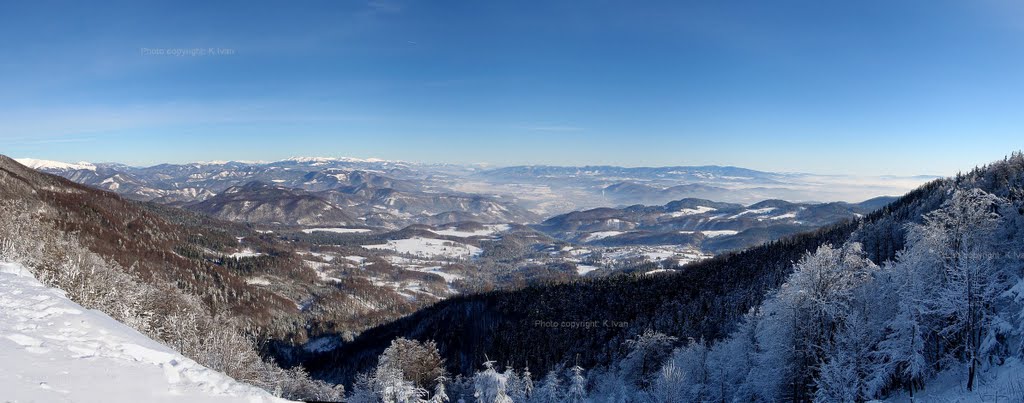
x=487, y=230
x=583, y=269
x=337, y=230
x=245, y=253
x=692, y=211
x=429, y=247
x=756, y=211
x=257, y=281
x=593, y=236
x=713, y=233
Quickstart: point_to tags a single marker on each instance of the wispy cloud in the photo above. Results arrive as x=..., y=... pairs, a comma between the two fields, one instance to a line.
x=384, y=6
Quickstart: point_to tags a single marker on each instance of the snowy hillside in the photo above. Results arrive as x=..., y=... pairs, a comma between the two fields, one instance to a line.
x=55, y=165
x=52, y=349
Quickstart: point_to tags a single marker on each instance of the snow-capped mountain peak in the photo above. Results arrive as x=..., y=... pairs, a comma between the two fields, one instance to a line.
x=326, y=160
x=55, y=165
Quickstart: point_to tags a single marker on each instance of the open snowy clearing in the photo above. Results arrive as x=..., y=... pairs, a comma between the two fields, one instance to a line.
x=692, y=211
x=713, y=233
x=583, y=269
x=487, y=230
x=594, y=236
x=757, y=211
x=54, y=350
x=244, y=254
x=429, y=247
x=337, y=230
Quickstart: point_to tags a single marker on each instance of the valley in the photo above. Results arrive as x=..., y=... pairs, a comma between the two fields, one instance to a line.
x=414, y=235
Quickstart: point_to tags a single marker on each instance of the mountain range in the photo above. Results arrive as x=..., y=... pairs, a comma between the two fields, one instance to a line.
x=394, y=194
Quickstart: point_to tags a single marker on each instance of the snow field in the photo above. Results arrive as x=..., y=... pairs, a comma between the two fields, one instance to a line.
x=54, y=350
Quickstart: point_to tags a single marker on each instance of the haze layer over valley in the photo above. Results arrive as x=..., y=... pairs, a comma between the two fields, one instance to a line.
x=465, y=228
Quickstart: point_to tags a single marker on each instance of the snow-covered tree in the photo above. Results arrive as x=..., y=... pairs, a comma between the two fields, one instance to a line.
x=730, y=362
x=393, y=388
x=914, y=280
x=577, y=385
x=669, y=385
x=550, y=390
x=490, y=386
x=513, y=383
x=843, y=377
x=363, y=391
x=609, y=387
x=648, y=352
x=685, y=376
x=974, y=283
x=440, y=393
x=523, y=389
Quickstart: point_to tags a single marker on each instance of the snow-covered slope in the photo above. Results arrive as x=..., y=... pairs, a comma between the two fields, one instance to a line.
x=54, y=350
x=55, y=165
x=1001, y=383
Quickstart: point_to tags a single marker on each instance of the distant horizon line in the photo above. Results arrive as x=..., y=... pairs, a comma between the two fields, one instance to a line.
x=306, y=159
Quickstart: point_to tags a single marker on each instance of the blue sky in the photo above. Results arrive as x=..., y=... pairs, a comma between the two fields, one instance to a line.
x=864, y=87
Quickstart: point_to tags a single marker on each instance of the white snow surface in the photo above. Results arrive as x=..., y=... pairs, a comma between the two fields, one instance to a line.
x=45, y=164
x=756, y=211
x=337, y=230
x=583, y=269
x=594, y=236
x=711, y=233
x=418, y=246
x=692, y=211
x=487, y=230
x=1001, y=383
x=245, y=253
x=325, y=160
x=54, y=350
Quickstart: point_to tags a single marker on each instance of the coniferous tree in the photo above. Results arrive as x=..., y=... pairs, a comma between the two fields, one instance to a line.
x=490, y=386
x=440, y=393
x=577, y=385
x=550, y=390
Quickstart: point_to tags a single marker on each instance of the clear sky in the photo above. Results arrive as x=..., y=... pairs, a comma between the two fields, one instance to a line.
x=866, y=87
